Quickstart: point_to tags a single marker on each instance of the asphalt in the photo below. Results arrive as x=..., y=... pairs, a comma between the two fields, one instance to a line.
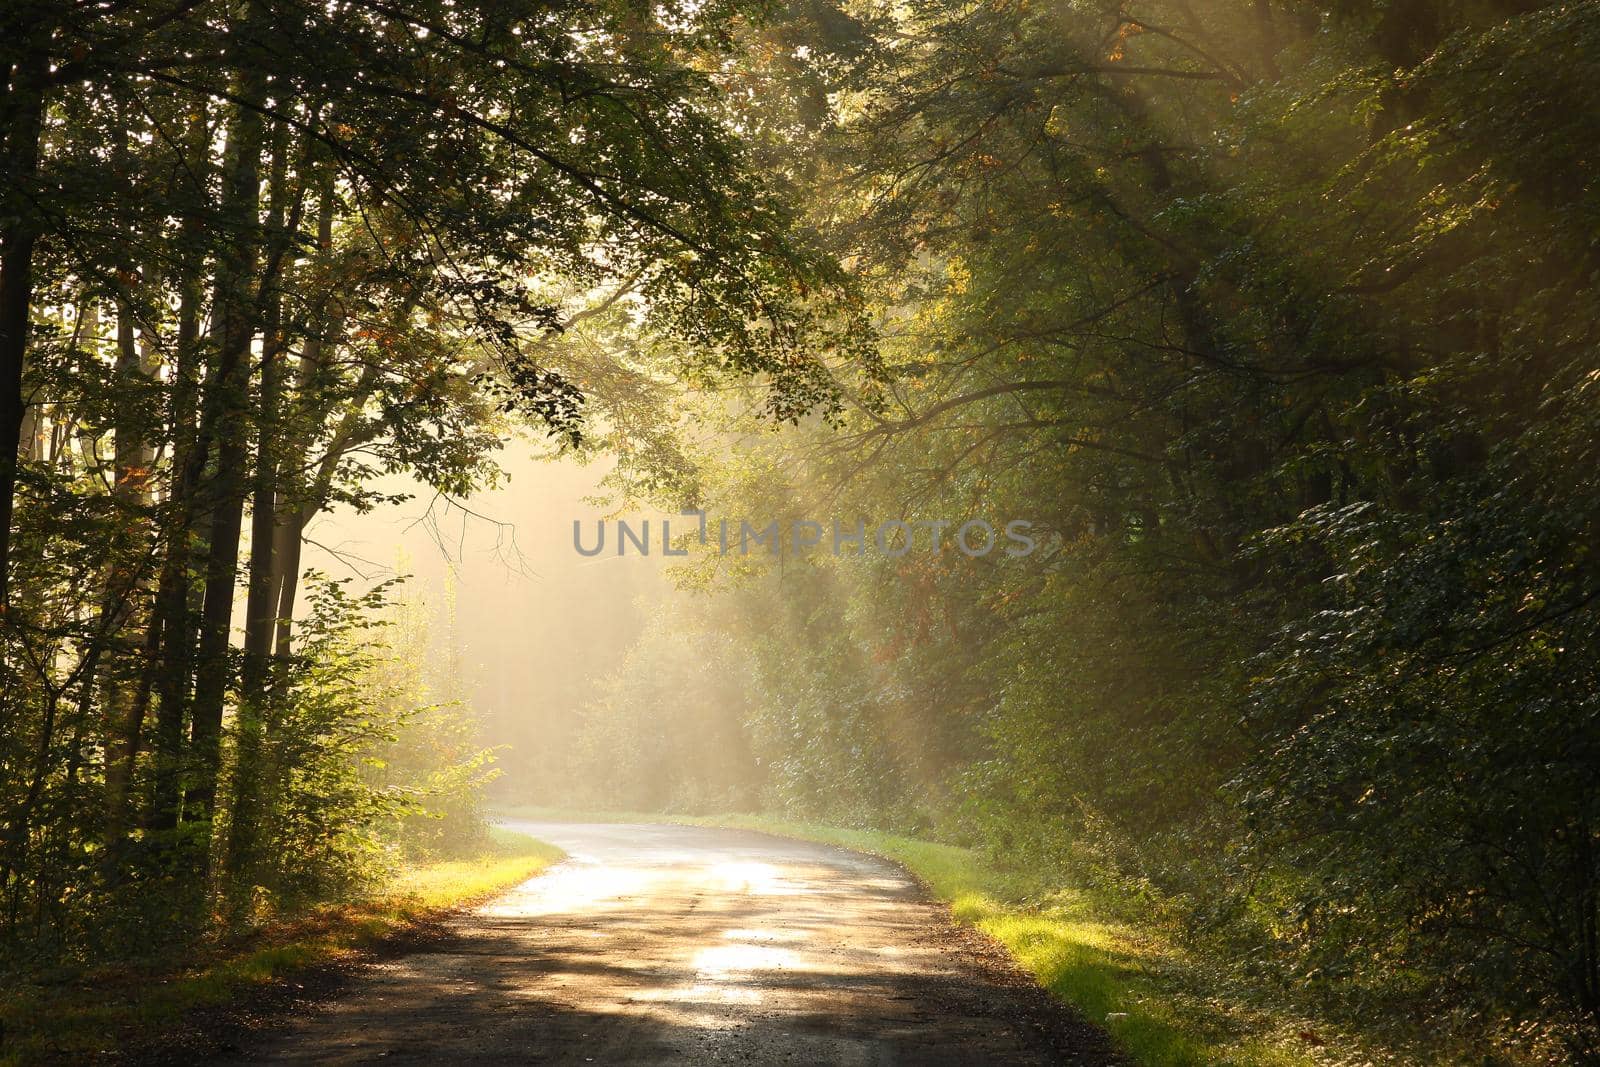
x=658, y=944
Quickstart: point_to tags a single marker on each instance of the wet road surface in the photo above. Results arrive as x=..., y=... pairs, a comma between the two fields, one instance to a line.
x=660, y=944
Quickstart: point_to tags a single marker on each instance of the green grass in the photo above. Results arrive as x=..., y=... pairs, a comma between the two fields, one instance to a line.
x=85, y=1015
x=512, y=858
x=1158, y=1006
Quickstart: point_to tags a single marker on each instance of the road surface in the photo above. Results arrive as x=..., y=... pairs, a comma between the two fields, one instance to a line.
x=687, y=945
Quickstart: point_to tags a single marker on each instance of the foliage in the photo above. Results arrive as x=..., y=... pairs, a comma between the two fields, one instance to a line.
x=84, y=1014
x=1276, y=319
x=1278, y=322
x=252, y=257
x=673, y=706
x=361, y=773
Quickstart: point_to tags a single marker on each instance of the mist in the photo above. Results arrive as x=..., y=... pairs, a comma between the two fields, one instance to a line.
x=520, y=627
x=1147, y=609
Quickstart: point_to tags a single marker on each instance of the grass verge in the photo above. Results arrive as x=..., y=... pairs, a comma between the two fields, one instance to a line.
x=75, y=1016
x=1160, y=1006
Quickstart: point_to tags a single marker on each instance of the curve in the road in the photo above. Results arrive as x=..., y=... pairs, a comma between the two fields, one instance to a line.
x=660, y=944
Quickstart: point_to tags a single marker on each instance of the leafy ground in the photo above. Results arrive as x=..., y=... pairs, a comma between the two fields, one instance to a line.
x=73, y=1015
x=1159, y=1005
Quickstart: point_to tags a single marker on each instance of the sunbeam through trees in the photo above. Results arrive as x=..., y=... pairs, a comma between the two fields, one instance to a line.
x=1148, y=448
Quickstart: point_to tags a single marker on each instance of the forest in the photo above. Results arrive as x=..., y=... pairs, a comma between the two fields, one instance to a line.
x=1277, y=323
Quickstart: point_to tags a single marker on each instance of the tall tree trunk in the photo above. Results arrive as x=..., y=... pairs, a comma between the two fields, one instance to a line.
x=261, y=603
x=228, y=395
x=292, y=515
x=126, y=580
x=25, y=105
x=168, y=675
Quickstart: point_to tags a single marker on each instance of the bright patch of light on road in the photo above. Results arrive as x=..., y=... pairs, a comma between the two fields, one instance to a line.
x=759, y=879
x=572, y=887
x=726, y=961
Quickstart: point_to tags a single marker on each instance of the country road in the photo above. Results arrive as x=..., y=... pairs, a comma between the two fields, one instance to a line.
x=684, y=945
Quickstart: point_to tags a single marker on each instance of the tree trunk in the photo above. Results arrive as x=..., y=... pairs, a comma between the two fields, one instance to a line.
x=291, y=527
x=292, y=513
x=126, y=581
x=167, y=672
x=228, y=395
x=261, y=603
x=18, y=235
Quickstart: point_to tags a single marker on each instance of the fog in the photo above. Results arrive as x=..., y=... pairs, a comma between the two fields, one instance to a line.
x=521, y=622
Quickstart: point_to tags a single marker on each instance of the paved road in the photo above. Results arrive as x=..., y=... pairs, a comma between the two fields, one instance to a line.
x=683, y=945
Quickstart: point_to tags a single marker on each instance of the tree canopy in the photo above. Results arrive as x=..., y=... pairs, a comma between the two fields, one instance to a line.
x=1277, y=322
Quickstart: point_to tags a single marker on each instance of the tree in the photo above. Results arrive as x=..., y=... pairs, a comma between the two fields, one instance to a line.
x=338, y=240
